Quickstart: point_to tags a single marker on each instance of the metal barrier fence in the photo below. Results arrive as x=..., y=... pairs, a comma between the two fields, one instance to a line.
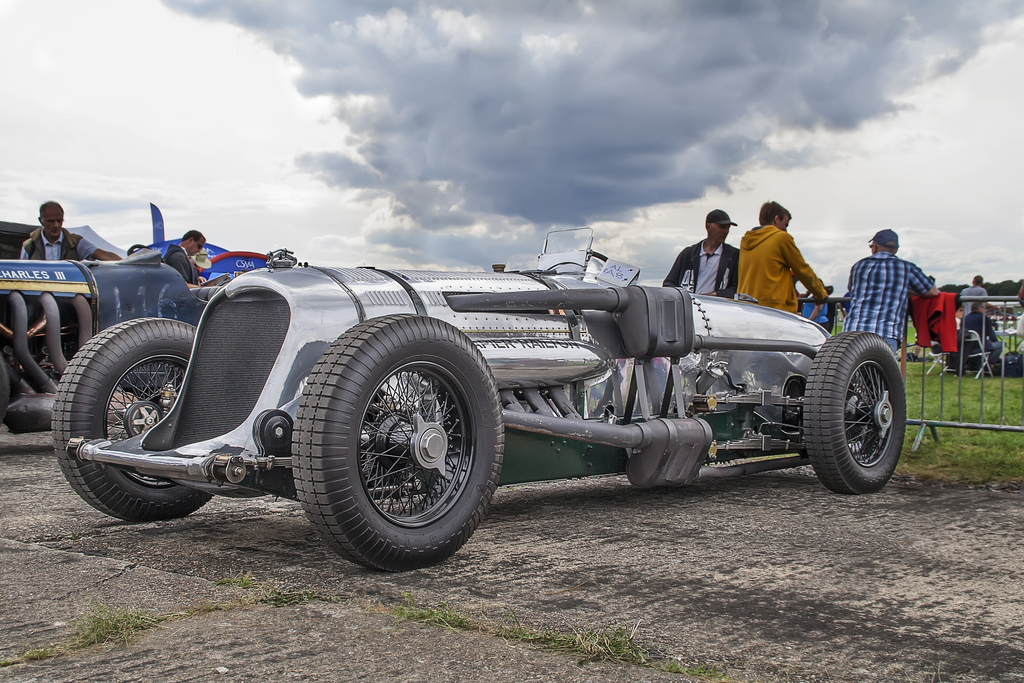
x=968, y=371
x=952, y=386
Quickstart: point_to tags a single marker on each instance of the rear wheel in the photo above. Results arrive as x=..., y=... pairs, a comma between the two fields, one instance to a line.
x=114, y=388
x=399, y=442
x=854, y=413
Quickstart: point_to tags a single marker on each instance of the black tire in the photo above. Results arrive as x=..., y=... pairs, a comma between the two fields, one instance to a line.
x=358, y=474
x=855, y=413
x=123, y=366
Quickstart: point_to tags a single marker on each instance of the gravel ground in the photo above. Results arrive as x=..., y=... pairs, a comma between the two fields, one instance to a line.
x=767, y=578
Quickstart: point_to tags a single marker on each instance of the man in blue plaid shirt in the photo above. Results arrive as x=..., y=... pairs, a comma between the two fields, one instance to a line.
x=879, y=287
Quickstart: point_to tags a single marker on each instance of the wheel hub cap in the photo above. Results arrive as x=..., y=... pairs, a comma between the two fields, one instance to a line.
x=883, y=415
x=140, y=417
x=429, y=444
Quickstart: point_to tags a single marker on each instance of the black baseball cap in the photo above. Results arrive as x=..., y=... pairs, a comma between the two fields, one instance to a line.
x=720, y=217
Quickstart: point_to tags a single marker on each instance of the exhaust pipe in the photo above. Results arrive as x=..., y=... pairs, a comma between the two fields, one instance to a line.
x=19, y=315
x=662, y=452
x=84, y=314
x=29, y=413
x=51, y=316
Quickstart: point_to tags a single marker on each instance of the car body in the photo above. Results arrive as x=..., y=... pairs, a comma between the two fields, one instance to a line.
x=391, y=403
x=49, y=309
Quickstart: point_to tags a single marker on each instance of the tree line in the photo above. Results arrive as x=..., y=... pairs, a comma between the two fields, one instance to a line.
x=1004, y=288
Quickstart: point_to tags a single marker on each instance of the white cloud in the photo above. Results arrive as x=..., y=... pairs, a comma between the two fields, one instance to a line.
x=461, y=31
x=547, y=52
x=392, y=34
x=199, y=118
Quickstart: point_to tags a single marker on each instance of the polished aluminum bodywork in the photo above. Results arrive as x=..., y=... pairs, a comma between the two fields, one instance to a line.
x=537, y=349
x=756, y=370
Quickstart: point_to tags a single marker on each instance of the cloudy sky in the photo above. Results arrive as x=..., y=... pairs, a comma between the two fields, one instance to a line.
x=456, y=134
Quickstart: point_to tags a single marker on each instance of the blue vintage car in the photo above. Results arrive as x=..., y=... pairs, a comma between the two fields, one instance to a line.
x=49, y=309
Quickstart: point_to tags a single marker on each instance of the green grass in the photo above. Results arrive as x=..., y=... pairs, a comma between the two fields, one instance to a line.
x=240, y=580
x=269, y=594
x=100, y=625
x=614, y=643
x=968, y=456
x=443, y=615
x=118, y=625
x=103, y=624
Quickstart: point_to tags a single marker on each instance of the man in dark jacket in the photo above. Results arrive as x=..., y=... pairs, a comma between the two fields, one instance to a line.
x=711, y=266
x=179, y=256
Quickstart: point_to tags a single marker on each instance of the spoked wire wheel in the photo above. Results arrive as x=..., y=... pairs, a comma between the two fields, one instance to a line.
x=868, y=414
x=113, y=389
x=854, y=413
x=415, y=448
x=398, y=442
x=135, y=403
x=138, y=393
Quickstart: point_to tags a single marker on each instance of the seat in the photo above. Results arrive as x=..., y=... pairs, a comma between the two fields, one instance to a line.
x=936, y=356
x=972, y=348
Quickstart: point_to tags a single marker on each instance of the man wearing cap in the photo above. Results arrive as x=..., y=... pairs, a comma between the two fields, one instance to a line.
x=711, y=266
x=879, y=288
x=770, y=262
x=179, y=256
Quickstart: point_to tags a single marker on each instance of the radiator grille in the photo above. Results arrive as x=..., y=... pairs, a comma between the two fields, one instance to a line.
x=238, y=344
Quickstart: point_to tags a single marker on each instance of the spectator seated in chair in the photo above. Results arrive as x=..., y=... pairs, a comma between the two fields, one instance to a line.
x=980, y=323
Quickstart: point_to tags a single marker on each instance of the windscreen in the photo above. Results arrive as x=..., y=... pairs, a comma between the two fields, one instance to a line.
x=567, y=241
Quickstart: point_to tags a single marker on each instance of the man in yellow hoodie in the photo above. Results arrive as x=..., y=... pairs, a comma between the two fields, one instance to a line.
x=769, y=260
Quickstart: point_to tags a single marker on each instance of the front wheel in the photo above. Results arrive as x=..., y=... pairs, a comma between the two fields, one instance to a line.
x=115, y=388
x=854, y=413
x=399, y=442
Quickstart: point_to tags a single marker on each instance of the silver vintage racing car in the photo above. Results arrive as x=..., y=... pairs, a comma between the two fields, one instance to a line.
x=392, y=403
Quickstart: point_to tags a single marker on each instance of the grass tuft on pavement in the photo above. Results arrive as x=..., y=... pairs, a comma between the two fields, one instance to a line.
x=239, y=580
x=102, y=624
x=443, y=615
x=118, y=625
x=613, y=643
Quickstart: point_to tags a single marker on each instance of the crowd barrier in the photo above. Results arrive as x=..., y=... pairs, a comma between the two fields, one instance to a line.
x=952, y=389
